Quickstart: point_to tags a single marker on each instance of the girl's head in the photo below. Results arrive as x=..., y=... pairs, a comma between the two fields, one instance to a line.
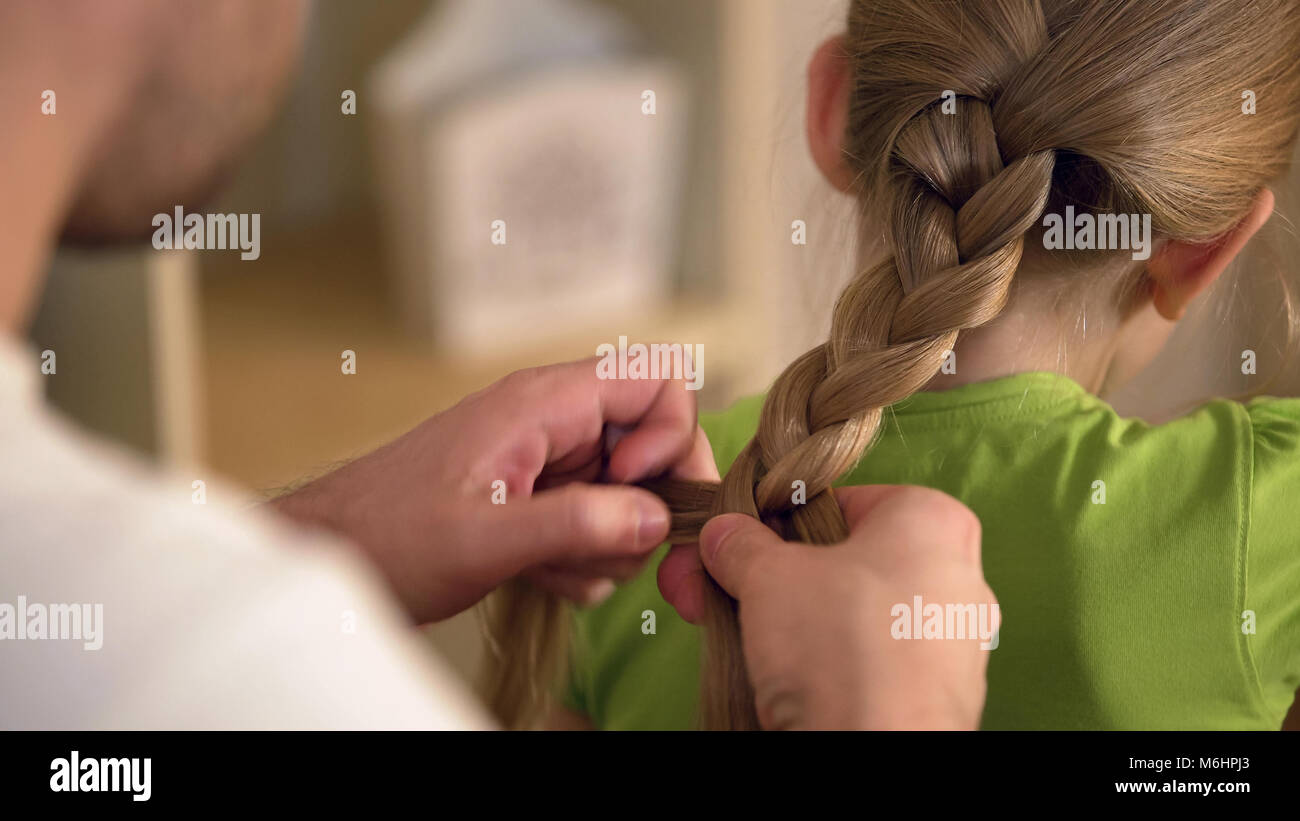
x=961, y=125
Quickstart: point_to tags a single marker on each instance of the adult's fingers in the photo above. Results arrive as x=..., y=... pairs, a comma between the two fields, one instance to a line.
x=699, y=463
x=857, y=503
x=570, y=523
x=572, y=404
x=906, y=521
x=736, y=548
x=682, y=581
x=581, y=590
x=657, y=442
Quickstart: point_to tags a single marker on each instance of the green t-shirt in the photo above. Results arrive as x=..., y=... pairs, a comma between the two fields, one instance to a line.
x=1169, y=597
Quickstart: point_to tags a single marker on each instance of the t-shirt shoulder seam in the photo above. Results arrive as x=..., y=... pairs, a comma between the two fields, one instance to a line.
x=1024, y=406
x=977, y=413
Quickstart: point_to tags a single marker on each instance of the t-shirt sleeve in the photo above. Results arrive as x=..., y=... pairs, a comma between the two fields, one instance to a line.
x=1273, y=547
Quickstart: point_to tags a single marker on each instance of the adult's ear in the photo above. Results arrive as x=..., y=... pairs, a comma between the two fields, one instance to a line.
x=827, y=115
x=1181, y=270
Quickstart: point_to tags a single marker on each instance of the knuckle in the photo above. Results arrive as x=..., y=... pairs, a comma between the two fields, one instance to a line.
x=923, y=499
x=731, y=537
x=781, y=701
x=587, y=518
x=575, y=511
x=988, y=595
x=964, y=519
x=733, y=546
x=976, y=531
x=520, y=379
x=946, y=515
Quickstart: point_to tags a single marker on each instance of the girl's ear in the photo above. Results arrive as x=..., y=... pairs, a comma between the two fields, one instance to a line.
x=828, y=102
x=1181, y=270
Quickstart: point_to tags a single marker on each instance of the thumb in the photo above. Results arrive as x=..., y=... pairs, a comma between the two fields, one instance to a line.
x=732, y=548
x=576, y=521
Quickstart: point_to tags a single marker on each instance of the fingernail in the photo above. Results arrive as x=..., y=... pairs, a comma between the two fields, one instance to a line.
x=613, y=433
x=714, y=533
x=652, y=522
x=599, y=591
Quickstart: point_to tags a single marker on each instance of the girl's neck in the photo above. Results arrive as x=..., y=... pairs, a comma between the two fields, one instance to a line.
x=1021, y=341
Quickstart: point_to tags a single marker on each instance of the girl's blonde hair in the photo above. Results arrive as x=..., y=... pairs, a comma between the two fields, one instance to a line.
x=1112, y=106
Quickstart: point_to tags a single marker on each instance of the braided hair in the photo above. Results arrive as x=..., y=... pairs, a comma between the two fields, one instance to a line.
x=966, y=120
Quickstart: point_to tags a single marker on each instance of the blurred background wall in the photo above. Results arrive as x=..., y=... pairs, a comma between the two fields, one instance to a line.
x=230, y=368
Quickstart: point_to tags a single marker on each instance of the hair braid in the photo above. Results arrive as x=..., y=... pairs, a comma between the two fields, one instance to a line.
x=1108, y=105
x=957, y=229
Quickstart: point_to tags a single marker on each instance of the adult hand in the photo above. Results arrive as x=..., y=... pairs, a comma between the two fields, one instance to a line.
x=817, y=621
x=426, y=507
